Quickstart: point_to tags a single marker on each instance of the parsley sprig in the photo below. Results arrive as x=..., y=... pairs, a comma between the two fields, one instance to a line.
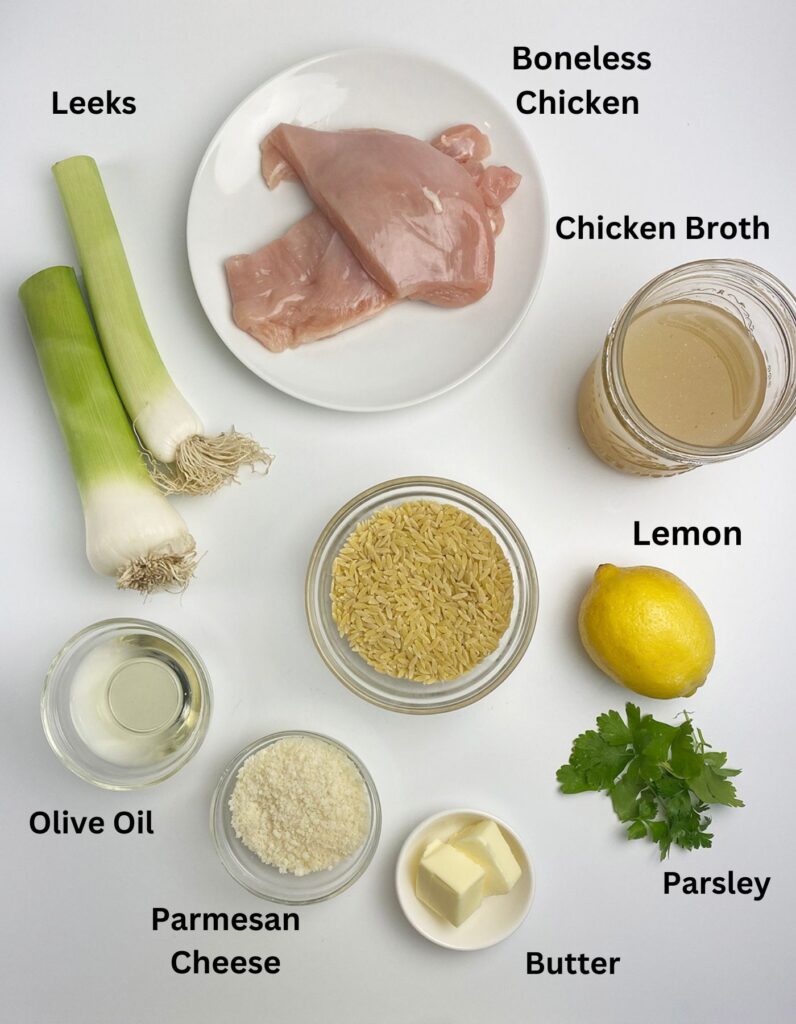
x=661, y=778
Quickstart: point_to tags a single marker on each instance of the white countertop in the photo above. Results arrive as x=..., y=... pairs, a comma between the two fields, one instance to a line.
x=714, y=137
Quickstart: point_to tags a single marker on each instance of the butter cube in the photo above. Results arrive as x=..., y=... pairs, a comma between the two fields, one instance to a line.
x=449, y=882
x=485, y=844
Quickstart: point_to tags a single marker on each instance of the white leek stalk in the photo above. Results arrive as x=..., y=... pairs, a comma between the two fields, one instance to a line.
x=168, y=428
x=132, y=532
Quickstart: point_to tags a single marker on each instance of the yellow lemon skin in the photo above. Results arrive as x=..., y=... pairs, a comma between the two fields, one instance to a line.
x=647, y=630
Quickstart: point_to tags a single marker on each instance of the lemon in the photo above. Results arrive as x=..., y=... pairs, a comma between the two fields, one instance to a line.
x=647, y=630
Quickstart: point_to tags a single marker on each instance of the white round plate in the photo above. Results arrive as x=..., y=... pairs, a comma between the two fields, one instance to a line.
x=413, y=351
x=495, y=919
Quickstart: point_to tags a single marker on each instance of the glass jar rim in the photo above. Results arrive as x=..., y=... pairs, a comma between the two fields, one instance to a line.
x=780, y=302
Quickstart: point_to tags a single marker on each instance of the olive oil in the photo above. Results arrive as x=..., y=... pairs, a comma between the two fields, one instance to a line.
x=135, y=700
x=694, y=372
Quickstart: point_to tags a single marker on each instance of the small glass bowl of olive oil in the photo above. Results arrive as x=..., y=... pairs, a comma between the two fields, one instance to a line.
x=126, y=703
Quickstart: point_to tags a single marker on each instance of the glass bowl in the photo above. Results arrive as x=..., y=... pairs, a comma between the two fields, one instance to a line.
x=57, y=711
x=403, y=694
x=265, y=881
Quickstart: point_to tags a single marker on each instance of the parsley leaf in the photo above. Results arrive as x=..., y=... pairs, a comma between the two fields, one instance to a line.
x=613, y=729
x=638, y=830
x=593, y=764
x=686, y=763
x=713, y=788
x=661, y=778
x=625, y=793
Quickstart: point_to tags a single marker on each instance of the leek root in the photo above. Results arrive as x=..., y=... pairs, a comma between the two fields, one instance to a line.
x=168, y=428
x=132, y=532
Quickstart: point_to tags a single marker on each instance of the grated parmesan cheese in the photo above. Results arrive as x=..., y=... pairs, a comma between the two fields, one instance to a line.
x=300, y=805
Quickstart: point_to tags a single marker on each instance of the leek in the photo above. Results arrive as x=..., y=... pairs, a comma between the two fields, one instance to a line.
x=168, y=428
x=132, y=532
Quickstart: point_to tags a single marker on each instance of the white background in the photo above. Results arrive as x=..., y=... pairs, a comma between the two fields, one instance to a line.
x=714, y=137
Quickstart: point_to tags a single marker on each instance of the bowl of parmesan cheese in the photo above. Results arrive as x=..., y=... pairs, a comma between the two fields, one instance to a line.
x=295, y=818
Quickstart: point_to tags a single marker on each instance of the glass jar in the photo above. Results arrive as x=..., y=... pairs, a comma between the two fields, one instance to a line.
x=611, y=422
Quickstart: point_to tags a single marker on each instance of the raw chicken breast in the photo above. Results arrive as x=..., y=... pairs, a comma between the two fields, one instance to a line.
x=497, y=219
x=473, y=167
x=412, y=216
x=496, y=184
x=463, y=142
x=470, y=147
x=273, y=165
x=303, y=286
x=310, y=284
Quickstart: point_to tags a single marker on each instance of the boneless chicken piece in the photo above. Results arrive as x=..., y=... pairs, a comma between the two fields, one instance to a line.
x=309, y=284
x=463, y=142
x=304, y=286
x=273, y=165
x=473, y=167
x=469, y=146
x=413, y=217
x=496, y=184
x=497, y=219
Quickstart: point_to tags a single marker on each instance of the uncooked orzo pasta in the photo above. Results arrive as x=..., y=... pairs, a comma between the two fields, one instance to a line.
x=422, y=591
